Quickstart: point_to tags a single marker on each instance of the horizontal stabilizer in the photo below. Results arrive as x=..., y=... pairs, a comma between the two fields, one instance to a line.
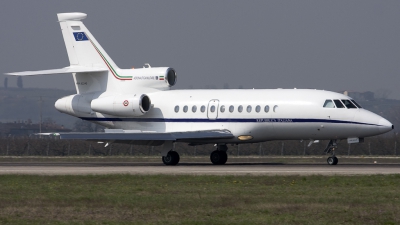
x=70, y=69
x=141, y=136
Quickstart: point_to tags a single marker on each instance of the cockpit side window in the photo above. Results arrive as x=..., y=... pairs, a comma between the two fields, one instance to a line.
x=338, y=103
x=349, y=104
x=355, y=103
x=329, y=104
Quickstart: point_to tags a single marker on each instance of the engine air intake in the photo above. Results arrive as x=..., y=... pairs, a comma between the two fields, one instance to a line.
x=171, y=77
x=144, y=103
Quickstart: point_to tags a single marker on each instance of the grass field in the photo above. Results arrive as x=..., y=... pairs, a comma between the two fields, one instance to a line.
x=163, y=199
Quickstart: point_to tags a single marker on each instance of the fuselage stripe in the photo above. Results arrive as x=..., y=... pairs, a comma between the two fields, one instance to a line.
x=219, y=120
x=112, y=70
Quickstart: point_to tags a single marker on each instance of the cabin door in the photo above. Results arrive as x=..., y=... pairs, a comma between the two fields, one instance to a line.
x=212, y=110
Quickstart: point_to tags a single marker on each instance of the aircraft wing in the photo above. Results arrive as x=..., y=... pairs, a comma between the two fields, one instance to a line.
x=70, y=69
x=140, y=136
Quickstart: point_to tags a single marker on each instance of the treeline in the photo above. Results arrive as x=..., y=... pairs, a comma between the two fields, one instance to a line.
x=53, y=146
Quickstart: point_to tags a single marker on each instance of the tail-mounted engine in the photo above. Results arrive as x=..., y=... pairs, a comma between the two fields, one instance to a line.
x=156, y=77
x=122, y=105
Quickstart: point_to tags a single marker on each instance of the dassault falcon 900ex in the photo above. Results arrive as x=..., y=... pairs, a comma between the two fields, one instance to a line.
x=138, y=106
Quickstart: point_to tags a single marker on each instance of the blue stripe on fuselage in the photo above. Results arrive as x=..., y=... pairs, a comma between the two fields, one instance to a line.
x=222, y=120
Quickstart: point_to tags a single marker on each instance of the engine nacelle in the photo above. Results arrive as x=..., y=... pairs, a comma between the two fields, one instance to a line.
x=122, y=105
x=155, y=77
x=74, y=104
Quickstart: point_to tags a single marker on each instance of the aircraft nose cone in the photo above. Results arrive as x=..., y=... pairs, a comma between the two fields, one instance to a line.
x=385, y=126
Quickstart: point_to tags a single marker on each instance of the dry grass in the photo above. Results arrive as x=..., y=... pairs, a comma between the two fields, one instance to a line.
x=160, y=199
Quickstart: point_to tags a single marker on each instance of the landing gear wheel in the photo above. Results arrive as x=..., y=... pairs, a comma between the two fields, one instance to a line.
x=330, y=148
x=218, y=157
x=171, y=159
x=332, y=160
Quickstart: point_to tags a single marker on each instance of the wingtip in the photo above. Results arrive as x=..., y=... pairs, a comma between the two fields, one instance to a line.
x=48, y=134
x=14, y=74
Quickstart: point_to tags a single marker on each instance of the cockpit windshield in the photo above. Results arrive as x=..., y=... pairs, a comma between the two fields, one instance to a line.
x=338, y=103
x=349, y=104
x=355, y=103
x=329, y=104
x=341, y=104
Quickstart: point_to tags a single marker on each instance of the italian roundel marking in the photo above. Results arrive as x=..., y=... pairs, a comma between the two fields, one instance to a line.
x=126, y=103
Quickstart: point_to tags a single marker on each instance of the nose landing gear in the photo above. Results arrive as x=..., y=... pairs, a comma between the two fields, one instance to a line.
x=330, y=148
x=332, y=160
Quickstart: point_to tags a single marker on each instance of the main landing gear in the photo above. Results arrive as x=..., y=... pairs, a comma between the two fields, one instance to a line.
x=330, y=148
x=171, y=159
x=219, y=156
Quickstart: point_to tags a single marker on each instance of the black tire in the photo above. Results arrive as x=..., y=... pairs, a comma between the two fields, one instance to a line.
x=224, y=157
x=176, y=157
x=167, y=159
x=332, y=161
x=218, y=157
x=336, y=160
x=171, y=159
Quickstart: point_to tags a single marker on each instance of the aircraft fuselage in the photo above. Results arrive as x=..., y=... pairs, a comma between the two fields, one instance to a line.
x=260, y=114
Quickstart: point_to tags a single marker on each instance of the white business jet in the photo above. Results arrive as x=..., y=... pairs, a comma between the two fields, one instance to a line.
x=138, y=106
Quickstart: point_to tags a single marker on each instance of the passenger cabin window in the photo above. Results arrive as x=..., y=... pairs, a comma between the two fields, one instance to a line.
x=258, y=108
x=355, y=103
x=349, y=104
x=212, y=109
x=194, y=108
x=329, y=104
x=266, y=108
x=338, y=103
x=185, y=108
x=240, y=108
x=202, y=108
x=248, y=108
x=231, y=108
x=177, y=108
x=222, y=108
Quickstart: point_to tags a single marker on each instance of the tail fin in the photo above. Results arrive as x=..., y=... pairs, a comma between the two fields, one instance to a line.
x=84, y=50
x=82, y=47
x=90, y=65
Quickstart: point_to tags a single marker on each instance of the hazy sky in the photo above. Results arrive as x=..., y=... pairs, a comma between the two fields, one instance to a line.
x=331, y=45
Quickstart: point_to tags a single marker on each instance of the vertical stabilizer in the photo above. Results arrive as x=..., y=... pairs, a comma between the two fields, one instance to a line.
x=82, y=47
x=84, y=50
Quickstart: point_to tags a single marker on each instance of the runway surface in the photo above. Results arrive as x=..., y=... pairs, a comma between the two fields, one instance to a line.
x=197, y=169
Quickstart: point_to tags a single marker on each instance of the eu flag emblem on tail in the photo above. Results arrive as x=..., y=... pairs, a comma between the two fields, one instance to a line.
x=80, y=36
